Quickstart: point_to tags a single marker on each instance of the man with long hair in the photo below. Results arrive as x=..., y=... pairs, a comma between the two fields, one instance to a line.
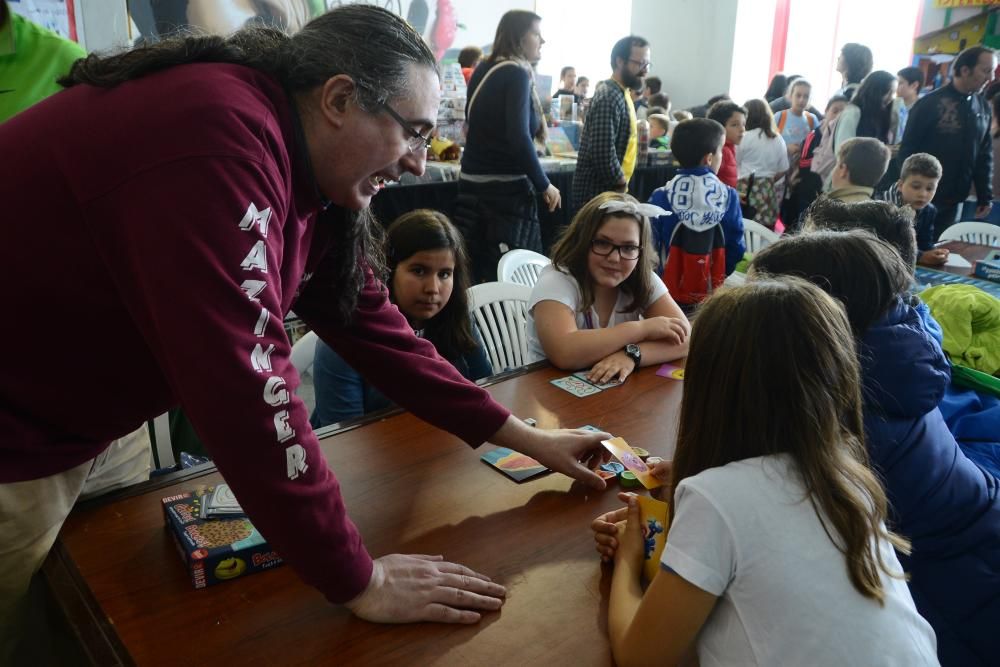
x=162, y=216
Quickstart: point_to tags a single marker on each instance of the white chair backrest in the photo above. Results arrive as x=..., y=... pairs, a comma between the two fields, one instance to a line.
x=500, y=310
x=521, y=267
x=160, y=441
x=981, y=233
x=756, y=235
x=303, y=352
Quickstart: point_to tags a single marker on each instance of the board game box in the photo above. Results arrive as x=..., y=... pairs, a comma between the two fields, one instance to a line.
x=218, y=549
x=988, y=269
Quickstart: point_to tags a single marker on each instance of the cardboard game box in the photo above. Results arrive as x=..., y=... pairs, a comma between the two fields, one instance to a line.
x=215, y=550
x=988, y=268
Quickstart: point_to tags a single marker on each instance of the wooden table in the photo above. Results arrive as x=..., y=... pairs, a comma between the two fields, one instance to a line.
x=410, y=488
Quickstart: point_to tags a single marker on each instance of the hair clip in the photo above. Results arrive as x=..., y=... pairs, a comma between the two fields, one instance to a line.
x=632, y=208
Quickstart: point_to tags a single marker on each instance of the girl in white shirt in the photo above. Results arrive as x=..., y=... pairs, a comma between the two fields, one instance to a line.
x=777, y=552
x=763, y=154
x=599, y=304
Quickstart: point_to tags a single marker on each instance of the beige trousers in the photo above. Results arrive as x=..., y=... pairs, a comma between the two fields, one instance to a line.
x=32, y=512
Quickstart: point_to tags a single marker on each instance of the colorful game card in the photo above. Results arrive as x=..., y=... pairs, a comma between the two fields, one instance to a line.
x=600, y=385
x=631, y=460
x=575, y=386
x=515, y=465
x=654, y=515
x=671, y=371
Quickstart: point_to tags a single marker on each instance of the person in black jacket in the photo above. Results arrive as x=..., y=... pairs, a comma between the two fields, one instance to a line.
x=953, y=124
x=497, y=204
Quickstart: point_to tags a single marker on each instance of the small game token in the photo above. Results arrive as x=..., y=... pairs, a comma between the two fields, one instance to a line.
x=606, y=476
x=641, y=453
x=653, y=460
x=628, y=480
x=530, y=422
x=613, y=466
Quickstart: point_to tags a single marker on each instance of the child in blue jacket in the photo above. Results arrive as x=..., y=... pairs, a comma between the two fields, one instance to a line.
x=700, y=243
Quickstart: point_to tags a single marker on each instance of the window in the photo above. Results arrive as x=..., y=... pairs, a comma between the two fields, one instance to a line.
x=581, y=33
x=816, y=33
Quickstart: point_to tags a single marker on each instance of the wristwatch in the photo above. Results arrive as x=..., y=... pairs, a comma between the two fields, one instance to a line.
x=633, y=352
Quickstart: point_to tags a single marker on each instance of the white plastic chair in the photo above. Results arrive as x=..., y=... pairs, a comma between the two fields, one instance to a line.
x=160, y=441
x=303, y=352
x=521, y=267
x=756, y=235
x=980, y=233
x=500, y=310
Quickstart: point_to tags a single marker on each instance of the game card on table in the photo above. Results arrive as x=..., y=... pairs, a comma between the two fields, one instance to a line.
x=576, y=386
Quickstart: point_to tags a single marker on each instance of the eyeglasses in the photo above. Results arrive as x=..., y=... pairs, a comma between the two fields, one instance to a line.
x=417, y=141
x=605, y=248
x=643, y=64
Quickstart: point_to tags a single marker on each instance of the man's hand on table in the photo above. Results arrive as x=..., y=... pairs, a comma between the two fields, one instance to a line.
x=572, y=452
x=414, y=588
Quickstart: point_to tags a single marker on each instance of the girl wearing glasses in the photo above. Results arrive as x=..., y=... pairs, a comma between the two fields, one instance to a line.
x=599, y=304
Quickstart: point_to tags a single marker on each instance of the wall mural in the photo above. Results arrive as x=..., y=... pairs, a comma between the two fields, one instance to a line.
x=436, y=20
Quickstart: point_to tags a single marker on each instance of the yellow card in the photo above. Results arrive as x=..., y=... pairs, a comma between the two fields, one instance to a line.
x=624, y=453
x=654, y=514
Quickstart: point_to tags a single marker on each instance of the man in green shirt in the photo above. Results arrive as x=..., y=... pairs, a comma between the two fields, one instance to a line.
x=31, y=59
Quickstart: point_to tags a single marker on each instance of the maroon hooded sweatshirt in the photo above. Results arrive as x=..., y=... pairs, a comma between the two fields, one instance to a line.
x=154, y=236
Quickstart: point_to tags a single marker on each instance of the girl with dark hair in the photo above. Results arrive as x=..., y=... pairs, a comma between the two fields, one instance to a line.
x=497, y=207
x=776, y=89
x=762, y=160
x=944, y=503
x=870, y=112
x=427, y=277
x=182, y=197
x=854, y=64
x=770, y=498
x=599, y=304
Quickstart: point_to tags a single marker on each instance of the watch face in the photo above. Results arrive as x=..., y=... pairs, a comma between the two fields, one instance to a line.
x=632, y=349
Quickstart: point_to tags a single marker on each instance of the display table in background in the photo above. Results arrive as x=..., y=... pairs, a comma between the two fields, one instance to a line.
x=409, y=488
x=440, y=195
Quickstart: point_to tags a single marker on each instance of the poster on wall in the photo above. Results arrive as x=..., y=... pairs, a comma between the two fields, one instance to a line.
x=436, y=20
x=55, y=15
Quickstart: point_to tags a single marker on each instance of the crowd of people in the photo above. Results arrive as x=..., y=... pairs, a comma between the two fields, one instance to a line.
x=813, y=450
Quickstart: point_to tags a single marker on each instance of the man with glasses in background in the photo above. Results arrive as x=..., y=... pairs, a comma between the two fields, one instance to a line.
x=608, y=144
